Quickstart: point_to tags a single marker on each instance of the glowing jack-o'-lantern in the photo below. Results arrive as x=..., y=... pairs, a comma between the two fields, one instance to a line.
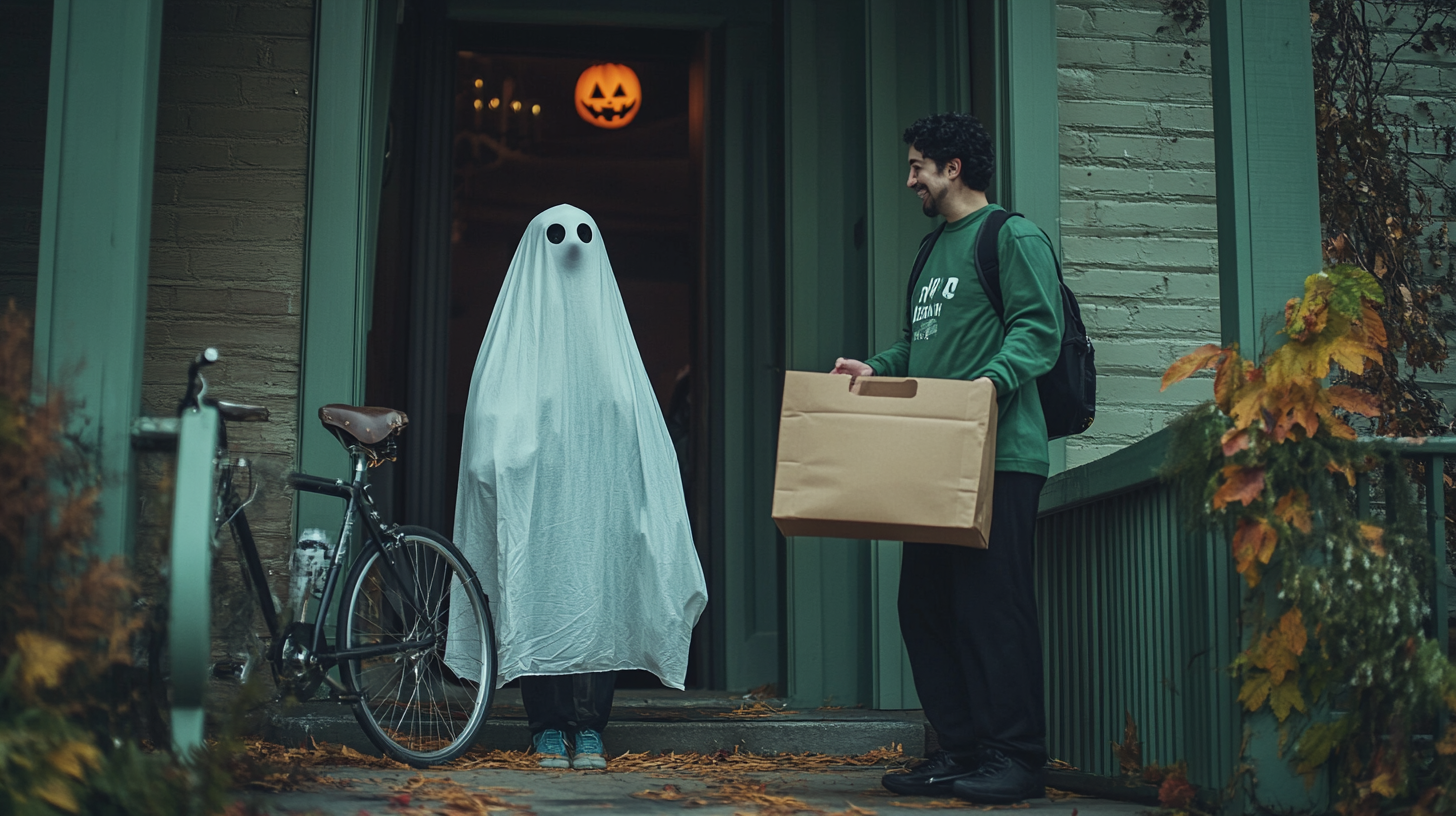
x=608, y=95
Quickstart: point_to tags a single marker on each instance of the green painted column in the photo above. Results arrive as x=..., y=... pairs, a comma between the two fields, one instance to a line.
x=95, y=233
x=911, y=70
x=1264, y=145
x=1030, y=160
x=1268, y=242
x=827, y=608
x=353, y=47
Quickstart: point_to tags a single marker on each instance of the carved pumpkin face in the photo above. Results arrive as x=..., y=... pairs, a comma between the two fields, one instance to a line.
x=608, y=95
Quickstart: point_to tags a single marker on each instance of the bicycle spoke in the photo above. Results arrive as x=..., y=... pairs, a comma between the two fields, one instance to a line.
x=406, y=596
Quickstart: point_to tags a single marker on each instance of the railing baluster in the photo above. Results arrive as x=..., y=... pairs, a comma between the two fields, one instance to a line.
x=1436, y=530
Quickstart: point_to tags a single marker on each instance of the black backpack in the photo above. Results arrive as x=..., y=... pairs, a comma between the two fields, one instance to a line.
x=1069, y=390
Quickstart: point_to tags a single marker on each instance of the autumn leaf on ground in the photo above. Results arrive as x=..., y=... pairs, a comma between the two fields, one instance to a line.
x=1240, y=484
x=1129, y=752
x=1182, y=368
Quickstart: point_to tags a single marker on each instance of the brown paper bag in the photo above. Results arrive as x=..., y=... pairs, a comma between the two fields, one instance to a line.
x=886, y=458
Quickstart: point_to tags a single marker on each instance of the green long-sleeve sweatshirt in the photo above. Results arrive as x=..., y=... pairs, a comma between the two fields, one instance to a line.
x=952, y=332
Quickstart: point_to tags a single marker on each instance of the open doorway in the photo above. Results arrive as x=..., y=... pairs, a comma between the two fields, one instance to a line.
x=518, y=146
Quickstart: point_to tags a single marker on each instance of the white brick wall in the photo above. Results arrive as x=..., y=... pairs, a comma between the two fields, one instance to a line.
x=1139, y=223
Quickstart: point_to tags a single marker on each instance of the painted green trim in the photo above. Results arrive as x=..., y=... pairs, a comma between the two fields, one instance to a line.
x=353, y=47
x=906, y=77
x=96, y=233
x=189, y=631
x=746, y=266
x=1268, y=239
x=1264, y=145
x=1133, y=467
x=1030, y=150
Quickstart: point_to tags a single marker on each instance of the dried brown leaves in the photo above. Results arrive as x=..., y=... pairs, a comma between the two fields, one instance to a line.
x=757, y=710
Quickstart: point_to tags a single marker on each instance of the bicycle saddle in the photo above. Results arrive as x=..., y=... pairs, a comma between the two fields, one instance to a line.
x=366, y=425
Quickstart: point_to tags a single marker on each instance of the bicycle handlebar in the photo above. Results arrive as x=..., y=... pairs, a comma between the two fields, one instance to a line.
x=196, y=383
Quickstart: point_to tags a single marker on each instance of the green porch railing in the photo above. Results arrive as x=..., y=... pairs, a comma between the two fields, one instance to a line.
x=1140, y=616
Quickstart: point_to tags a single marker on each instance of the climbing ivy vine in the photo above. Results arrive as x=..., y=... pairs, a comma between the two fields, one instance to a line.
x=1336, y=601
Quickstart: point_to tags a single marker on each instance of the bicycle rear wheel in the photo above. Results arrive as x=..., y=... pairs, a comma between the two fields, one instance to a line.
x=413, y=705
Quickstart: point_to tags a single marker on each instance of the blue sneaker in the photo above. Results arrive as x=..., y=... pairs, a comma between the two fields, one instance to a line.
x=589, y=754
x=550, y=746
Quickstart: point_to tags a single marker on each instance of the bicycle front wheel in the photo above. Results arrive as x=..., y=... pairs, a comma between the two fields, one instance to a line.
x=424, y=702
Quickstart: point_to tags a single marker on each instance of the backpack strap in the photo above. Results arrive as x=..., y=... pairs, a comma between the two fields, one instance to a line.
x=926, y=244
x=988, y=260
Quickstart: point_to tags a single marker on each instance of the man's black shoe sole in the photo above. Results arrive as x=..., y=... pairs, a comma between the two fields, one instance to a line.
x=979, y=798
x=911, y=788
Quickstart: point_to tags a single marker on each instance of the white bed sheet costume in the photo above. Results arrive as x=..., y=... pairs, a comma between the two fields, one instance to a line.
x=570, y=506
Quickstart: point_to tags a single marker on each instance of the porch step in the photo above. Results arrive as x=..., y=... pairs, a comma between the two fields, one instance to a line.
x=652, y=721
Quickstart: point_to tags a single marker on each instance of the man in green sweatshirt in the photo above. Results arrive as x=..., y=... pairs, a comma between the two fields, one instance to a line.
x=969, y=616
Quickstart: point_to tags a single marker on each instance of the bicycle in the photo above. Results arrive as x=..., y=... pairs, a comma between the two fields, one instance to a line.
x=395, y=621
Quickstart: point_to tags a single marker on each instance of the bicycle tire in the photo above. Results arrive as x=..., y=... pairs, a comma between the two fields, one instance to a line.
x=409, y=703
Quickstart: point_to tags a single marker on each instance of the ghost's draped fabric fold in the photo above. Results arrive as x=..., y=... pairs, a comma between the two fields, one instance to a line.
x=570, y=505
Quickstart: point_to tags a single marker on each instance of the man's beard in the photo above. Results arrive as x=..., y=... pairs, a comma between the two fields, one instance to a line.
x=929, y=205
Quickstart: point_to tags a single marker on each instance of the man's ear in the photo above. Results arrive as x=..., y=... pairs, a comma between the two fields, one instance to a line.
x=952, y=168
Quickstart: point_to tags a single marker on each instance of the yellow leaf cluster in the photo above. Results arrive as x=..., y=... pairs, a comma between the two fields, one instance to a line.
x=1276, y=658
x=43, y=660
x=1334, y=324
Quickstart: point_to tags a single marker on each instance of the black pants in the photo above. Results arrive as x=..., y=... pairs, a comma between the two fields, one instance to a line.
x=568, y=702
x=968, y=617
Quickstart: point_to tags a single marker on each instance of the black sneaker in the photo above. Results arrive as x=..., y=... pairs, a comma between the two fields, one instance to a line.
x=1001, y=780
x=934, y=776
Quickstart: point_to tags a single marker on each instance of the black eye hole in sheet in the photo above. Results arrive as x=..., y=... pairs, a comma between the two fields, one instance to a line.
x=556, y=233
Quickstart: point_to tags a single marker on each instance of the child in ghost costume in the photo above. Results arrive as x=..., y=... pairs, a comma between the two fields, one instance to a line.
x=570, y=505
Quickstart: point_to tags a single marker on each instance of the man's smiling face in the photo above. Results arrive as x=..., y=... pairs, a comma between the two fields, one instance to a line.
x=930, y=181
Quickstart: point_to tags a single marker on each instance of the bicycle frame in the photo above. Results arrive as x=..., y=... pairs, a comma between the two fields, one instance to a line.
x=360, y=507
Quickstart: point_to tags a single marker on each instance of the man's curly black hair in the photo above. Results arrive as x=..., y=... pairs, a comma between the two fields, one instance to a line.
x=946, y=136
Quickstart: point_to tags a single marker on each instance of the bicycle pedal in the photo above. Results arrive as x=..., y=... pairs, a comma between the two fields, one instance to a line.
x=345, y=698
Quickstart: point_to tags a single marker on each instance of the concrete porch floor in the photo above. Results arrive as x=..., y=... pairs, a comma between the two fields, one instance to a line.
x=651, y=720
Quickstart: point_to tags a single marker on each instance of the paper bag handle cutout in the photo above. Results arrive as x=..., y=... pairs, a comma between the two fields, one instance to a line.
x=876, y=387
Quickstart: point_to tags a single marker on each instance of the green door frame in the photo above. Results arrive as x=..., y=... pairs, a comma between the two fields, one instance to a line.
x=740, y=124
x=1268, y=242
x=353, y=48
x=353, y=55
x=96, y=210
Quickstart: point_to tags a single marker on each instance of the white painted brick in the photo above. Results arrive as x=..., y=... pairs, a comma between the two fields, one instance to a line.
x=1194, y=285
x=1119, y=283
x=1150, y=86
x=1128, y=252
x=1139, y=149
x=1195, y=59
x=1134, y=24
x=1073, y=20
x=1151, y=215
x=1106, y=115
x=1095, y=52
x=1100, y=179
